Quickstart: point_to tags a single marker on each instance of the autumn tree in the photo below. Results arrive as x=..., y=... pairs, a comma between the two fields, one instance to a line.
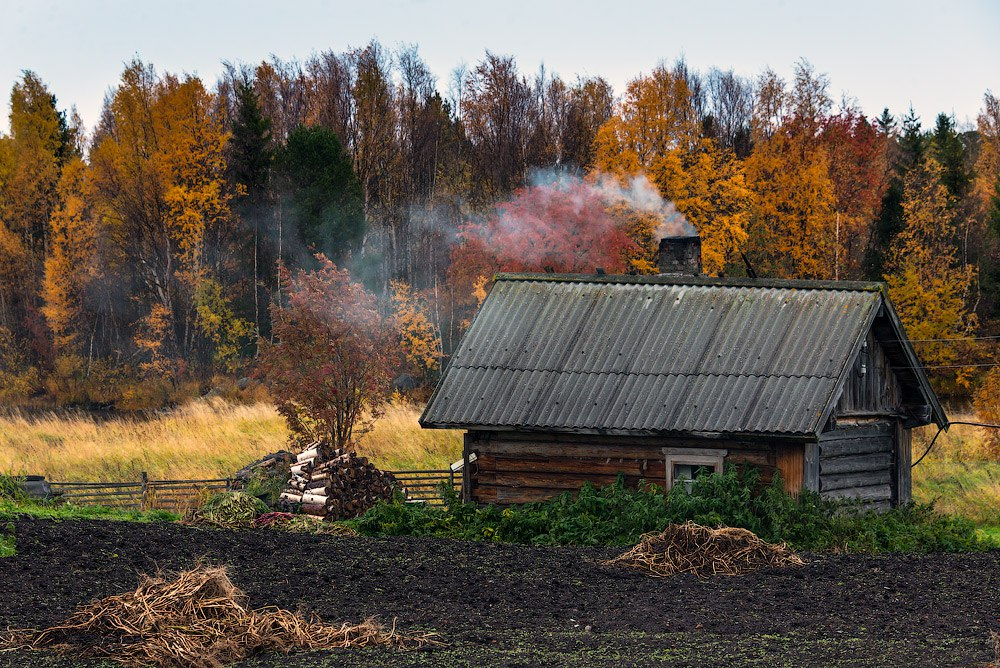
x=31, y=160
x=857, y=156
x=656, y=132
x=158, y=182
x=497, y=111
x=792, y=229
x=330, y=366
x=928, y=282
x=419, y=338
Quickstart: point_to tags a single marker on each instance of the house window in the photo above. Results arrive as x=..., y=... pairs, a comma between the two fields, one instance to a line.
x=684, y=464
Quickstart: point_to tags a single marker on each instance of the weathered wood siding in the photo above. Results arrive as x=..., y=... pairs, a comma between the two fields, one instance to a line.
x=872, y=387
x=858, y=461
x=513, y=467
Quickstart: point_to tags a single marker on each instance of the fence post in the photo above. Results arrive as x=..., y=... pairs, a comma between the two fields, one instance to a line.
x=144, y=505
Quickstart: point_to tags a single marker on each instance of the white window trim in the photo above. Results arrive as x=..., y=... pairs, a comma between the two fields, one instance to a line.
x=709, y=457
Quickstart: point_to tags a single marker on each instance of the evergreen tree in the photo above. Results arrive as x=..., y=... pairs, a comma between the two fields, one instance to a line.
x=323, y=191
x=949, y=151
x=886, y=123
x=250, y=161
x=911, y=143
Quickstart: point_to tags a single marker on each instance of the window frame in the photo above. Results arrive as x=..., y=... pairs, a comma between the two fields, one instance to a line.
x=713, y=458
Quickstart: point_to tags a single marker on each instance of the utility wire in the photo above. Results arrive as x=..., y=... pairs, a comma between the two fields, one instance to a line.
x=940, y=429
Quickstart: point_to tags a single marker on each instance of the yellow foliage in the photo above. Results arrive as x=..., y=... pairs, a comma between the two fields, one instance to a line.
x=987, y=403
x=927, y=283
x=792, y=221
x=153, y=339
x=419, y=338
x=655, y=131
x=72, y=262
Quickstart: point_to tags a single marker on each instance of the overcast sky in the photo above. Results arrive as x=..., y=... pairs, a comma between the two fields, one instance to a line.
x=936, y=56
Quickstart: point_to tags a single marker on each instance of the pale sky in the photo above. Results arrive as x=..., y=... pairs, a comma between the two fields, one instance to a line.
x=936, y=56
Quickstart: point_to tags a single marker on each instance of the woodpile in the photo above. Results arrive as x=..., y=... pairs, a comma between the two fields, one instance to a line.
x=335, y=484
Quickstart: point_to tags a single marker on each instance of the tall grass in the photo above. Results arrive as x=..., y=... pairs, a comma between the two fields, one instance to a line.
x=203, y=439
x=961, y=474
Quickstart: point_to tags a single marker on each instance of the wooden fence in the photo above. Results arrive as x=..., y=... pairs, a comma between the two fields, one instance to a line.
x=175, y=495
x=425, y=486
x=181, y=495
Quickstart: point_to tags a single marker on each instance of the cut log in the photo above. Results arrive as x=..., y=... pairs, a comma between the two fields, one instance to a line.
x=313, y=509
x=314, y=498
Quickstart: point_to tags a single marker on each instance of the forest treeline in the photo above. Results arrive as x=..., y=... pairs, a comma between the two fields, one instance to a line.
x=138, y=260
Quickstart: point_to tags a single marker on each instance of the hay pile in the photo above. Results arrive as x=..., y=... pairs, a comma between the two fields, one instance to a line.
x=692, y=548
x=198, y=619
x=302, y=524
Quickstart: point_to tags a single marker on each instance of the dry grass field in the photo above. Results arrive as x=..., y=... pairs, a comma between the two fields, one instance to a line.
x=213, y=438
x=203, y=439
x=961, y=474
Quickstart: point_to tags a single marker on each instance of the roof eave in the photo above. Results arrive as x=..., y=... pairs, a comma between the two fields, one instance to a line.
x=940, y=418
x=711, y=435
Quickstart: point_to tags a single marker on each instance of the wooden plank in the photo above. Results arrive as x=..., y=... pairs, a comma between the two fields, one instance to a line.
x=849, y=480
x=553, y=480
x=878, y=461
x=584, y=465
x=506, y=496
x=550, y=449
x=854, y=446
x=811, y=467
x=904, y=462
x=868, y=493
x=790, y=460
x=755, y=457
x=863, y=430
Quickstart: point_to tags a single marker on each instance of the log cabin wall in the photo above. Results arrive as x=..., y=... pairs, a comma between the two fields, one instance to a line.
x=872, y=387
x=521, y=467
x=861, y=459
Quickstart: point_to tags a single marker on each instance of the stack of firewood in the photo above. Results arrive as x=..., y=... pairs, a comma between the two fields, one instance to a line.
x=335, y=484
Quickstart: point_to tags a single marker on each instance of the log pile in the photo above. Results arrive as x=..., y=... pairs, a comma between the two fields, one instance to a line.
x=334, y=484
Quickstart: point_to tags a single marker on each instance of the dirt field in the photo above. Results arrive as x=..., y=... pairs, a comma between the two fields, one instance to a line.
x=505, y=605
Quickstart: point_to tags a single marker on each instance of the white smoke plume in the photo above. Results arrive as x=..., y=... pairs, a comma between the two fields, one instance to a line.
x=638, y=192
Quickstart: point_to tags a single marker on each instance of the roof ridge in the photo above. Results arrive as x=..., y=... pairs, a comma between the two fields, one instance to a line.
x=488, y=367
x=697, y=281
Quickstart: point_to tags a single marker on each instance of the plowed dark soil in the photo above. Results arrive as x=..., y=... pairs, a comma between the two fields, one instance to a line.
x=507, y=605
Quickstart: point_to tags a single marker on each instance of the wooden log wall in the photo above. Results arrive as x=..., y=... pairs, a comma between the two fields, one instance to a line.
x=872, y=387
x=858, y=461
x=513, y=467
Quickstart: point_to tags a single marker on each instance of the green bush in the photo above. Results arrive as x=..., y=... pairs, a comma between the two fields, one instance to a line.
x=618, y=515
x=12, y=488
x=8, y=545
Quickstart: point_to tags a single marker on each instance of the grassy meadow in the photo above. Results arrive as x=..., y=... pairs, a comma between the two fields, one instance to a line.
x=203, y=439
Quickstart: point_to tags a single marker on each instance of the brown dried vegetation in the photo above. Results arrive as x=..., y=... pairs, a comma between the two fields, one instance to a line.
x=197, y=619
x=702, y=551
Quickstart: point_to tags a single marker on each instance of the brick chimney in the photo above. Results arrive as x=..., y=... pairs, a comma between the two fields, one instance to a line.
x=680, y=256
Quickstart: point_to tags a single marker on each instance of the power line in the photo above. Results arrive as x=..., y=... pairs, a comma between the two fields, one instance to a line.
x=955, y=339
x=941, y=428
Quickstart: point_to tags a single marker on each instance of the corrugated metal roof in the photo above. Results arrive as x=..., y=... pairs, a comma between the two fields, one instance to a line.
x=653, y=354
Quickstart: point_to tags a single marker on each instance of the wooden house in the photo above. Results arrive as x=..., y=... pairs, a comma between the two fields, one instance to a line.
x=567, y=379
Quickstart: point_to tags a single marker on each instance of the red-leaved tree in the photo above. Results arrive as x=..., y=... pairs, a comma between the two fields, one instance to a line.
x=329, y=369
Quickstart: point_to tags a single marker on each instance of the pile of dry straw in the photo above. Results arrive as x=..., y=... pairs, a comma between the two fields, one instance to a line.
x=197, y=619
x=692, y=548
